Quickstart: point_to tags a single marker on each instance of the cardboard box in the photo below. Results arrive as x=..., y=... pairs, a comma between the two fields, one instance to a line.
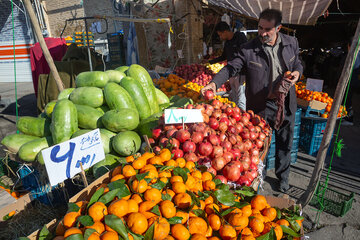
x=313, y=104
x=17, y=206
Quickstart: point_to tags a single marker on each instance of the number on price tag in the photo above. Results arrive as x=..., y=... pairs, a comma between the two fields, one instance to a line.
x=62, y=161
x=173, y=116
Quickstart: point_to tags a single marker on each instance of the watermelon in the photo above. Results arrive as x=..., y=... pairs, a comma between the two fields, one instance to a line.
x=92, y=79
x=126, y=143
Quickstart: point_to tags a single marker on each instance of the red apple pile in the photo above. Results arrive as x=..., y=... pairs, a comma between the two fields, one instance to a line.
x=197, y=73
x=228, y=142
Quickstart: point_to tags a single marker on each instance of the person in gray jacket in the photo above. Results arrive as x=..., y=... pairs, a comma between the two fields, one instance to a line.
x=265, y=60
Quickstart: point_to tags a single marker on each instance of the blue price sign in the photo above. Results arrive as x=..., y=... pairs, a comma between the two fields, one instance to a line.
x=63, y=160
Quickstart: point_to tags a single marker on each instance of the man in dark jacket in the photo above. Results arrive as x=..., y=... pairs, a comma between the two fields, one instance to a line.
x=233, y=41
x=266, y=59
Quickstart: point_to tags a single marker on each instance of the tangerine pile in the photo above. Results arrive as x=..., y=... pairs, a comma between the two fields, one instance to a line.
x=303, y=93
x=174, y=85
x=164, y=198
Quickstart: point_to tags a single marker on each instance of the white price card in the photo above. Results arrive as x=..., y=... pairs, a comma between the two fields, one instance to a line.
x=173, y=116
x=62, y=161
x=314, y=84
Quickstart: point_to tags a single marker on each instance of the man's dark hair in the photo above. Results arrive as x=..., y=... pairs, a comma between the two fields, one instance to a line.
x=271, y=14
x=222, y=27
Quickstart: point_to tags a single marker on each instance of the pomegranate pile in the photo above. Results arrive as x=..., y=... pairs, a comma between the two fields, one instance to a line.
x=228, y=142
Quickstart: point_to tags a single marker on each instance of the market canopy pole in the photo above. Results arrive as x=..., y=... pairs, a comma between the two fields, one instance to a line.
x=339, y=95
x=42, y=43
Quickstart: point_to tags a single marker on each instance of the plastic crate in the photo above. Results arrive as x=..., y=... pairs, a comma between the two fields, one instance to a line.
x=298, y=116
x=295, y=145
x=270, y=161
x=335, y=203
x=313, y=127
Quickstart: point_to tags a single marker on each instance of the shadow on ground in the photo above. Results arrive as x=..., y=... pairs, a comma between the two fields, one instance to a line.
x=26, y=107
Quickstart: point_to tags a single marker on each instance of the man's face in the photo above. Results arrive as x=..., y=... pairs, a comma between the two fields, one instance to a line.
x=267, y=31
x=222, y=35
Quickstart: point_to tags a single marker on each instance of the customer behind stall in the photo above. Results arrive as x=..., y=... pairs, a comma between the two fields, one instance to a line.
x=266, y=59
x=233, y=41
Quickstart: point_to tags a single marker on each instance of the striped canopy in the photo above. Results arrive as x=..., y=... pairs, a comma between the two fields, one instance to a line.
x=301, y=12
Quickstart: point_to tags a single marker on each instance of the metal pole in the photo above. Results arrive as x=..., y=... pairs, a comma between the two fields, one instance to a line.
x=38, y=34
x=330, y=125
x=88, y=47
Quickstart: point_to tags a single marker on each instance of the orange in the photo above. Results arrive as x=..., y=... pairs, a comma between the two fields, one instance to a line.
x=175, y=179
x=209, y=200
x=156, y=160
x=109, y=229
x=153, y=194
x=98, y=226
x=81, y=205
x=139, y=187
x=183, y=215
x=214, y=221
x=248, y=237
x=165, y=154
x=300, y=222
x=256, y=225
x=165, y=174
x=130, y=159
x=110, y=236
x=164, y=179
x=72, y=231
x=147, y=168
x=238, y=221
x=198, y=236
x=153, y=175
x=180, y=162
x=150, y=215
x=117, y=177
x=182, y=200
x=179, y=187
x=246, y=232
x=206, y=176
x=119, y=208
x=246, y=211
x=270, y=213
x=209, y=185
x=146, y=206
x=227, y=232
x=137, y=198
x=180, y=232
x=190, y=182
x=103, y=185
x=128, y=196
x=170, y=192
x=139, y=163
x=128, y=171
x=213, y=238
x=202, y=205
x=209, y=209
x=258, y=202
x=171, y=163
x=94, y=236
x=197, y=225
x=196, y=174
x=133, y=206
x=283, y=222
x=116, y=171
x=167, y=209
x=162, y=229
x=209, y=232
x=70, y=219
x=137, y=223
x=277, y=229
x=190, y=165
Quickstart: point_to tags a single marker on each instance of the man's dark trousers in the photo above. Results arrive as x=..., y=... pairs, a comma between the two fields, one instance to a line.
x=283, y=138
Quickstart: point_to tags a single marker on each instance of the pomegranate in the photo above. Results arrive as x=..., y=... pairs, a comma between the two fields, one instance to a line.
x=214, y=139
x=231, y=171
x=225, y=120
x=190, y=156
x=232, y=139
x=243, y=180
x=182, y=135
x=253, y=173
x=156, y=133
x=167, y=127
x=218, y=163
x=250, y=127
x=253, y=167
x=253, y=136
x=255, y=120
x=171, y=132
x=240, y=147
x=201, y=107
x=259, y=144
x=217, y=152
x=189, y=106
x=205, y=118
x=238, y=164
x=211, y=170
x=226, y=145
x=244, y=119
x=232, y=121
x=216, y=104
x=209, y=109
x=239, y=127
x=249, y=176
x=199, y=127
x=174, y=142
x=228, y=156
x=248, y=115
x=248, y=145
x=262, y=136
x=223, y=127
x=236, y=110
x=254, y=152
x=205, y=148
x=213, y=123
x=229, y=111
x=236, y=153
x=178, y=153
x=197, y=137
x=236, y=116
x=209, y=95
x=221, y=178
x=189, y=146
x=222, y=137
x=245, y=134
x=216, y=114
x=246, y=165
x=232, y=130
x=255, y=160
x=163, y=141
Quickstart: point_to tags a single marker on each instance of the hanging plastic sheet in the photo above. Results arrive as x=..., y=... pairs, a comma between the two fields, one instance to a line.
x=132, y=56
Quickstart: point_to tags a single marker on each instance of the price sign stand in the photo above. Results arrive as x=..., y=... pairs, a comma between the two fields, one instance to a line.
x=82, y=173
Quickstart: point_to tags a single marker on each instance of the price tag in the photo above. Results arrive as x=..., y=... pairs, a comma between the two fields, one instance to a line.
x=173, y=116
x=62, y=161
x=160, y=69
x=314, y=84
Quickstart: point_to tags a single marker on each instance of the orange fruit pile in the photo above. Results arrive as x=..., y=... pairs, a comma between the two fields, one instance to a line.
x=174, y=85
x=167, y=198
x=303, y=93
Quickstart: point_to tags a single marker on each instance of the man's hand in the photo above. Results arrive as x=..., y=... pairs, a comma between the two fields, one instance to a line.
x=294, y=77
x=211, y=86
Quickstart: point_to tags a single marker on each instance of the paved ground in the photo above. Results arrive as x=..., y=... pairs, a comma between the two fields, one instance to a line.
x=344, y=177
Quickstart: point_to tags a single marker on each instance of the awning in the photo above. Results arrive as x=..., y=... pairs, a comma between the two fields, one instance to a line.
x=301, y=12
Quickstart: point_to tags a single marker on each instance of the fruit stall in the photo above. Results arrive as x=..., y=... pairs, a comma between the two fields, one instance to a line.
x=155, y=179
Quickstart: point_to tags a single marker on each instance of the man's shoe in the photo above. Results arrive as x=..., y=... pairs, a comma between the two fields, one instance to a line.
x=284, y=187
